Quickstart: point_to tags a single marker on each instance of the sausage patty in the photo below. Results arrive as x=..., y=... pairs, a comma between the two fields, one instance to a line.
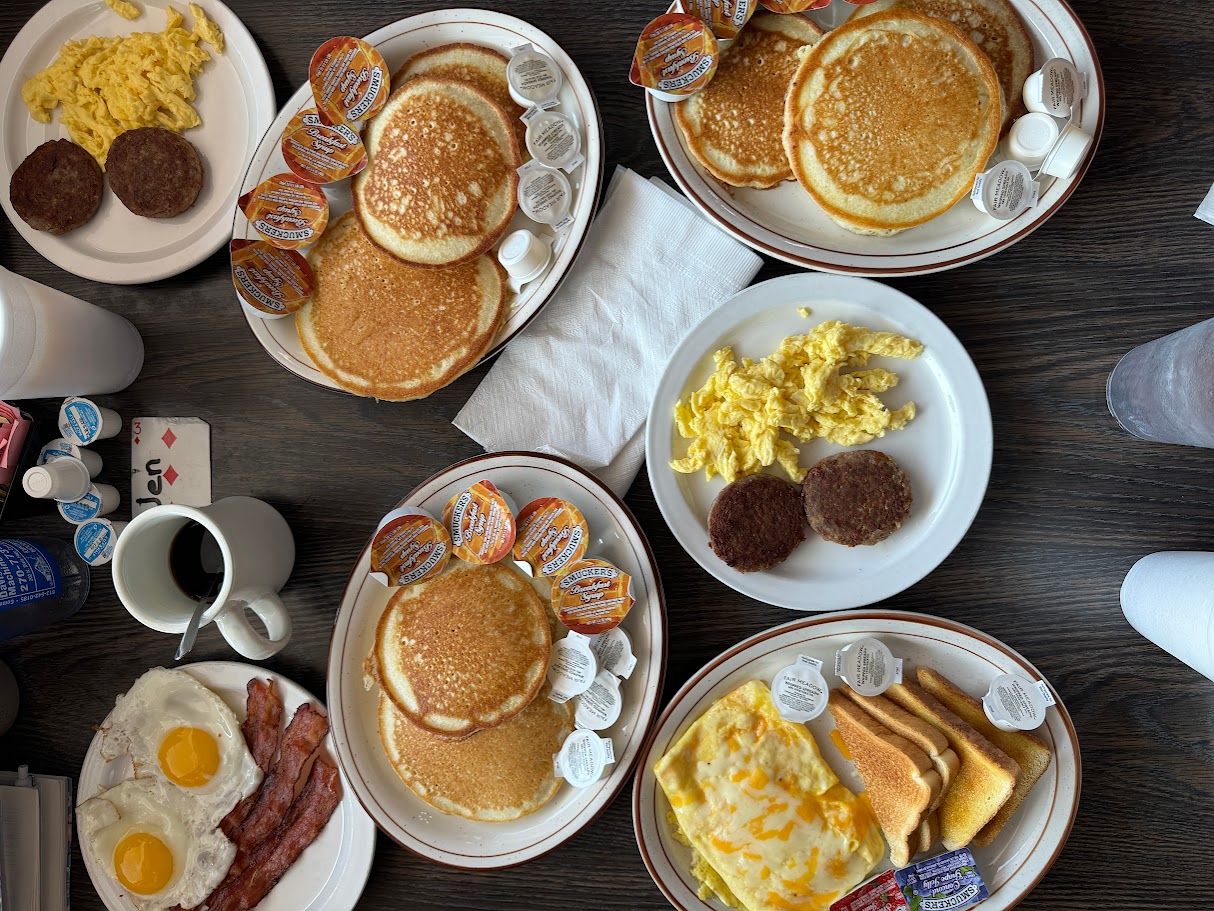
x=859, y=497
x=57, y=188
x=756, y=522
x=155, y=172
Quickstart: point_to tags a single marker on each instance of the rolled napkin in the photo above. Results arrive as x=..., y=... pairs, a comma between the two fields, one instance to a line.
x=1169, y=598
x=578, y=382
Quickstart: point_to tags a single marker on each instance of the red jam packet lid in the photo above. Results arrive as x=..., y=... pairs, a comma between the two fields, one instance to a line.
x=676, y=55
x=552, y=534
x=288, y=212
x=879, y=894
x=725, y=17
x=481, y=523
x=409, y=546
x=592, y=596
x=796, y=6
x=274, y=281
x=349, y=80
x=319, y=151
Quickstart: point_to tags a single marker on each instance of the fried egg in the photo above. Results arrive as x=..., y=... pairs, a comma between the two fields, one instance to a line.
x=178, y=731
x=149, y=837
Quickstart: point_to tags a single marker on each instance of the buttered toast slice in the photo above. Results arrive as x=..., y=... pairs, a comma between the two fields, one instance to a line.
x=901, y=783
x=987, y=776
x=1029, y=751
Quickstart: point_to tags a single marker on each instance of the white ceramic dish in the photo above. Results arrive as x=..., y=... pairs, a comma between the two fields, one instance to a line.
x=784, y=222
x=1013, y=864
x=946, y=450
x=398, y=42
x=404, y=817
x=235, y=101
x=328, y=876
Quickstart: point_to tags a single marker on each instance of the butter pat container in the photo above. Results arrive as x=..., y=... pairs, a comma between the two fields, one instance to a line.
x=572, y=667
x=676, y=56
x=533, y=78
x=582, y=758
x=553, y=139
x=544, y=195
x=481, y=523
x=800, y=691
x=868, y=666
x=409, y=546
x=598, y=708
x=947, y=882
x=613, y=650
x=1016, y=703
x=271, y=283
x=1031, y=138
x=82, y=421
x=1055, y=89
x=1005, y=191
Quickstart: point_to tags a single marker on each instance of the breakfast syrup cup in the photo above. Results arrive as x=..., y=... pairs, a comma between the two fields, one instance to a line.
x=258, y=554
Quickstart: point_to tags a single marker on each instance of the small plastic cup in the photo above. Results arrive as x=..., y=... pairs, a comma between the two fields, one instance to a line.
x=62, y=479
x=1055, y=89
x=868, y=666
x=100, y=500
x=1067, y=153
x=1005, y=190
x=524, y=256
x=572, y=668
x=544, y=195
x=1015, y=703
x=613, y=650
x=800, y=691
x=66, y=449
x=553, y=140
x=1031, y=138
x=598, y=708
x=95, y=540
x=582, y=758
x=82, y=421
x=533, y=78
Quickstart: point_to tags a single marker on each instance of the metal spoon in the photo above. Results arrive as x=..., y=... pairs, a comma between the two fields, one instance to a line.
x=212, y=562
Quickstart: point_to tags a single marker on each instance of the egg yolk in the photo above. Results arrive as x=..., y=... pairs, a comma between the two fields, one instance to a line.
x=189, y=756
x=143, y=863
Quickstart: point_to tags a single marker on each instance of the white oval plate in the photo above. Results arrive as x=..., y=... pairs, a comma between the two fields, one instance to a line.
x=1011, y=866
x=235, y=101
x=946, y=450
x=328, y=876
x=786, y=223
x=403, y=816
x=398, y=42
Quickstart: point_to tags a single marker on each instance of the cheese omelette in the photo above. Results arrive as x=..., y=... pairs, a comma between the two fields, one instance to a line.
x=106, y=86
x=736, y=418
x=771, y=825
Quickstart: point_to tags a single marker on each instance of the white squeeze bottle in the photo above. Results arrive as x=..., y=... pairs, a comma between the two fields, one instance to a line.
x=52, y=344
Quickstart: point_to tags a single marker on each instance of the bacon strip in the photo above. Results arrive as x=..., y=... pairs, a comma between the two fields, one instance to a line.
x=262, y=729
x=304, y=822
x=303, y=735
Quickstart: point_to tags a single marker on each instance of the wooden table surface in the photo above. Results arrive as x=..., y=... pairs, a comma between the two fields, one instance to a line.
x=1073, y=500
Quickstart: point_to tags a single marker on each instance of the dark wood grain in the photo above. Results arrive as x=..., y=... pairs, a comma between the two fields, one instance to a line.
x=1073, y=501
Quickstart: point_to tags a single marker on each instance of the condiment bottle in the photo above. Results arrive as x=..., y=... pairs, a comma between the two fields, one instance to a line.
x=42, y=580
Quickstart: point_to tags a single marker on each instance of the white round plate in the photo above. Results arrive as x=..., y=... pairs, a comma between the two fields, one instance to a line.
x=328, y=876
x=786, y=223
x=1011, y=866
x=235, y=101
x=398, y=42
x=405, y=817
x=946, y=450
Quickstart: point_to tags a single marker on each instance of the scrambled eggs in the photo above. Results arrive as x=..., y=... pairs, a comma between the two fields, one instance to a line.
x=109, y=85
x=734, y=421
x=123, y=8
x=771, y=826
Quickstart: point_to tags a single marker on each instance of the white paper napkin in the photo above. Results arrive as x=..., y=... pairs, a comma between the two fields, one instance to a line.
x=578, y=382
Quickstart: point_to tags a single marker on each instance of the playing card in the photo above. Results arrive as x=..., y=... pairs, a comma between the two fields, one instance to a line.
x=170, y=463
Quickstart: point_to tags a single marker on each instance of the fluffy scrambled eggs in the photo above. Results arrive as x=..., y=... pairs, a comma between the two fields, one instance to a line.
x=123, y=8
x=734, y=421
x=109, y=85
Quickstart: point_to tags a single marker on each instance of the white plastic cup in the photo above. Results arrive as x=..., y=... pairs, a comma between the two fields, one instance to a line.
x=66, y=449
x=524, y=255
x=63, y=480
x=100, y=500
x=52, y=344
x=1064, y=158
x=1031, y=138
x=1169, y=598
x=82, y=421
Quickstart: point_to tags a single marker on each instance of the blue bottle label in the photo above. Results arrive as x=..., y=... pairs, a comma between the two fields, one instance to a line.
x=28, y=573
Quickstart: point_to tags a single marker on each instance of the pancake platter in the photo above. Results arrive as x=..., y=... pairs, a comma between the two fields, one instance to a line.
x=379, y=327
x=889, y=119
x=734, y=126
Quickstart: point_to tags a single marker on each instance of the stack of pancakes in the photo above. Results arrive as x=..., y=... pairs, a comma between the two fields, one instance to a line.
x=461, y=662
x=408, y=294
x=885, y=121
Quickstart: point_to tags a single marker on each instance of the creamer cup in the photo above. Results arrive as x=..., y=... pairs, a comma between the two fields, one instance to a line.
x=61, y=448
x=676, y=56
x=1031, y=138
x=1064, y=158
x=319, y=151
x=1055, y=89
x=725, y=17
x=552, y=535
x=100, y=500
x=271, y=283
x=95, y=540
x=572, y=667
x=553, y=139
x=534, y=79
x=82, y=421
x=544, y=195
x=350, y=80
x=524, y=255
x=599, y=707
x=592, y=596
x=1015, y=703
x=481, y=523
x=60, y=479
x=800, y=691
x=286, y=211
x=868, y=666
x=1005, y=190
x=613, y=651
x=409, y=546
x=582, y=758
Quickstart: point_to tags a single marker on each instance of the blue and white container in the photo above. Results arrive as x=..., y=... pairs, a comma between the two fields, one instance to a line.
x=100, y=500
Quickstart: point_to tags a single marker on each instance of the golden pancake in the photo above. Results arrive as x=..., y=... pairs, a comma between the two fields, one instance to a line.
x=889, y=119
x=465, y=651
x=381, y=328
x=442, y=182
x=994, y=26
x=481, y=67
x=494, y=776
x=734, y=126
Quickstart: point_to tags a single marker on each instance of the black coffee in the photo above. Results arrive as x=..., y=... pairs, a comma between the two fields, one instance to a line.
x=195, y=561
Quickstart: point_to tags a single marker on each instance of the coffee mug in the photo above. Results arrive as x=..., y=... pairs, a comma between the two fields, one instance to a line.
x=258, y=554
